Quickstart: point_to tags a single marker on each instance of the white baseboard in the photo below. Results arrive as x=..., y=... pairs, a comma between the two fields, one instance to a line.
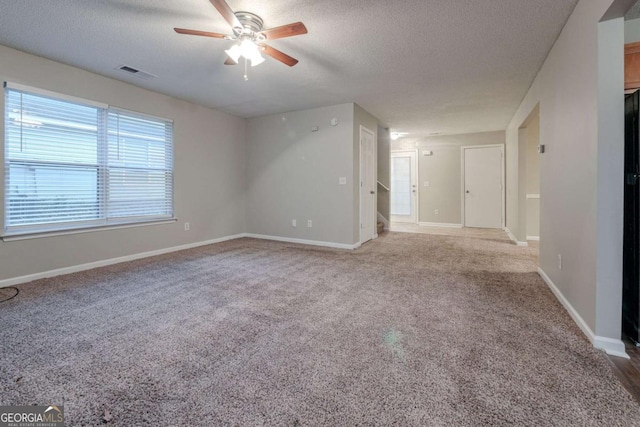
x=304, y=241
x=612, y=346
x=384, y=220
x=88, y=266
x=513, y=238
x=440, y=224
x=534, y=238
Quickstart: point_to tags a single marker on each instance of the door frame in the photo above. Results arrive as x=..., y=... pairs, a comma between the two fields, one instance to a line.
x=417, y=207
x=631, y=232
x=374, y=234
x=462, y=182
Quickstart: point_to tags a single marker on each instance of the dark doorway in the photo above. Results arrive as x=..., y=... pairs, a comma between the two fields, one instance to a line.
x=631, y=260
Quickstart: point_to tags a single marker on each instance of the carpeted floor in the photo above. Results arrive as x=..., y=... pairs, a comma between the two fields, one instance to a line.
x=409, y=330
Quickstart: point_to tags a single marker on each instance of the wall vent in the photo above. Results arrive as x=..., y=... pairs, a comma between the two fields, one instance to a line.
x=135, y=72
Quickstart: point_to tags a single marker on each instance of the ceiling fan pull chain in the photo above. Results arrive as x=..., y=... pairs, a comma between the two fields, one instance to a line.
x=246, y=77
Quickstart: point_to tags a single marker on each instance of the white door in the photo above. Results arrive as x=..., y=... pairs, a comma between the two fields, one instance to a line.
x=404, y=197
x=483, y=186
x=367, y=185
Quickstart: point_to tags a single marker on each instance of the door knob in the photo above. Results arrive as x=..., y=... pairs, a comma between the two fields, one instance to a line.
x=372, y=192
x=467, y=191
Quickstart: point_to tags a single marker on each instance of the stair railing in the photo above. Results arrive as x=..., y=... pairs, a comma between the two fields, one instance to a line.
x=383, y=186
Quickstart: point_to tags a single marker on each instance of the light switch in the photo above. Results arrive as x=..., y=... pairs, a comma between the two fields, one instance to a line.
x=342, y=180
x=426, y=183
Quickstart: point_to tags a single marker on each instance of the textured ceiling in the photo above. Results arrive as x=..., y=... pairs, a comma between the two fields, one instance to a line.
x=633, y=13
x=419, y=66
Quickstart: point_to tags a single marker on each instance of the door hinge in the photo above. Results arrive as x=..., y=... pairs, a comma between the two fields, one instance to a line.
x=632, y=178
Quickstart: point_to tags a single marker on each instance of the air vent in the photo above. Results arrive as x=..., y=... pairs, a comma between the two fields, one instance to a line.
x=135, y=72
x=129, y=69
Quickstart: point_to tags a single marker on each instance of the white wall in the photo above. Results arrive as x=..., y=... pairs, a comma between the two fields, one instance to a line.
x=632, y=31
x=580, y=92
x=293, y=173
x=443, y=171
x=209, y=171
x=384, y=166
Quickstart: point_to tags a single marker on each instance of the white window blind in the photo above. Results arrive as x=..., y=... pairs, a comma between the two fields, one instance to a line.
x=70, y=164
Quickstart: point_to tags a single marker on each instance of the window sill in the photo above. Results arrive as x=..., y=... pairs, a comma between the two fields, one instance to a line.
x=11, y=237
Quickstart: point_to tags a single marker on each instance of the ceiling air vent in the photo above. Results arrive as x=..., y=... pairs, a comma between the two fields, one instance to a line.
x=135, y=72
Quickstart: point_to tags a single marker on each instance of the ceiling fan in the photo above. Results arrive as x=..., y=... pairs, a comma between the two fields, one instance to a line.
x=247, y=30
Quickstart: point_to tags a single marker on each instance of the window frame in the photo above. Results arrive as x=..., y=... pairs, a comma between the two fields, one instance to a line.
x=104, y=220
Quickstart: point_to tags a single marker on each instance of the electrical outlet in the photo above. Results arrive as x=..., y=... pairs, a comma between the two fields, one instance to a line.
x=426, y=183
x=293, y=223
x=342, y=180
x=309, y=223
x=437, y=211
x=187, y=226
x=559, y=262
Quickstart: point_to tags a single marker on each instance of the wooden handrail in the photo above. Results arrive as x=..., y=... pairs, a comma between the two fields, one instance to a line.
x=384, y=186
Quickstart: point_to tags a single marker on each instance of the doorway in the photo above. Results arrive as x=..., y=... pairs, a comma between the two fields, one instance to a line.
x=529, y=200
x=404, y=181
x=631, y=242
x=483, y=194
x=367, y=185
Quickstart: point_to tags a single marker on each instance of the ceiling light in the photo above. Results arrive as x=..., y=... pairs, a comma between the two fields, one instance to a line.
x=246, y=49
x=251, y=52
x=257, y=59
x=396, y=135
x=234, y=53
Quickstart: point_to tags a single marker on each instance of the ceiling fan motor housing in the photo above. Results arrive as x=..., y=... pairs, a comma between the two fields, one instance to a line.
x=251, y=23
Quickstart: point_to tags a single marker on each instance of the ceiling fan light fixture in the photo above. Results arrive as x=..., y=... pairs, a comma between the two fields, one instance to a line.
x=256, y=60
x=234, y=52
x=396, y=135
x=248, y=50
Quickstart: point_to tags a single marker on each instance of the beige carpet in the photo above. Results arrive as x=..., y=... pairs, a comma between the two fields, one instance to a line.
x=410, y=330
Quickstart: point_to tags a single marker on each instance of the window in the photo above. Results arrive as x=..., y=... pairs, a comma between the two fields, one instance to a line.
x=71, y=163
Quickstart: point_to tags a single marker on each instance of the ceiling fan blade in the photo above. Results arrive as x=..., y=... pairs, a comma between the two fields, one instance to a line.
x=230, y=61
x=199, y=33
x=289, y=30
x=276, y=54
x=226, y=12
